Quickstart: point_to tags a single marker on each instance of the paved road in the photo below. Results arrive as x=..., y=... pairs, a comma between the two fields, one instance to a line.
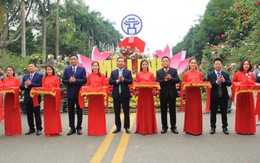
x=131, y=148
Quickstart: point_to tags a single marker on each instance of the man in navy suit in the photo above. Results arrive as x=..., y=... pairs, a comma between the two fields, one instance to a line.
x=168, y=77
x=219, y=95
x=121, y=78
x=74, y=77
x=30, y=80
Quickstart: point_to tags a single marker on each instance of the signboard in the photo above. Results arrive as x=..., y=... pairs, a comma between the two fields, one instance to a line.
x=131, y=24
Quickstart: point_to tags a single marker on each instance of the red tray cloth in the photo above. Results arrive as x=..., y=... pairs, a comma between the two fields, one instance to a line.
x=239, y=87
x=91, y=90
x=1, y=109
x=55, y=92
x=146, y=85
x=207, y=85
x=15, y=91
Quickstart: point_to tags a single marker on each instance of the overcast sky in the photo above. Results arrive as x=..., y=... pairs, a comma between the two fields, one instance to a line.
x=164, y=21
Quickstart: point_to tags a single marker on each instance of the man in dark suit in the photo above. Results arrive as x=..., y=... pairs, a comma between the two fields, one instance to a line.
x=219, y=95
x=121, y=78
x=30, y=80
x=168, y=77
x=74, y=77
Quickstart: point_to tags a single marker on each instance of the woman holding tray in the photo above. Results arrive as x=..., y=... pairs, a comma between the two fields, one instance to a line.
x=96, y=107
x=245, y=122
x=12, y=115
x=193, y=111
x=52, y=119
x=145, y=116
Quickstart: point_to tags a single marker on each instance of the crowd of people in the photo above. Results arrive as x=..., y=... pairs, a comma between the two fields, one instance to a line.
x=75, y=79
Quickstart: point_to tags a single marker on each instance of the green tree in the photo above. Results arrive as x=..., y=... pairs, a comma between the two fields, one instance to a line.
x=209, y=29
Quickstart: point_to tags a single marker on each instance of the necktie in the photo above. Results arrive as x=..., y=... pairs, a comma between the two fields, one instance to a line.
x=120, y=73
x=166, y=70
x=219, y=87
x=73, y=70
x=31, y=76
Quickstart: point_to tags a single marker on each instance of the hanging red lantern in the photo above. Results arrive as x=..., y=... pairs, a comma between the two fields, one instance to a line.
x=223, y=36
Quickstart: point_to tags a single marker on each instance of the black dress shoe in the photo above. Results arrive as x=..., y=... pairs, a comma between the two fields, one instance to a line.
x=127, y=131
x=72, y=131
x=30, y=132
x=225, y=130
x=39, y=132
x=163, y=131
x=116, y=131
x=79, y=132
x=212, y=130
x=175, y=131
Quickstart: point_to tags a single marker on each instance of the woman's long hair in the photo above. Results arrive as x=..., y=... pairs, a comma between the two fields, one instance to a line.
x=53, y=71
x=144, y=60
x=11, y=67
x=242, y=63
x=99, y=74
x=193, y=58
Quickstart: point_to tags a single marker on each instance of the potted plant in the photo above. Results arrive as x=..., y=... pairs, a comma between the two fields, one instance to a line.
x=63, y=106
x=22, y=104
x=204, y=99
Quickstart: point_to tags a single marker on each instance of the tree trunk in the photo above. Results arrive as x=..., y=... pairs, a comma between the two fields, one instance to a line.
x=57, y=29
x=2, y=22
x=2, y=15
x=23, y=41
x=44, y=30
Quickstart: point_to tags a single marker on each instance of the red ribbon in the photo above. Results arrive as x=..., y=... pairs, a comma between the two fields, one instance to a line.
x=239, y=87
x=89, y=90
x=55, y=92
x=198, y=84
x=146, y=85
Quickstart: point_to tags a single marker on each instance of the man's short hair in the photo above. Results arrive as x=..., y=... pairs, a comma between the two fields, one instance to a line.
x=32, y=63
x=166, y=57
x=120, y=58
x=73, y=55
x=218, y=59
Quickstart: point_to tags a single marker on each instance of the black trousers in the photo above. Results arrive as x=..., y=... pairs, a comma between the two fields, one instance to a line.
x=30, y=111
x=117, y=107
x=71, y=110
x=213, y=112
x=172, y=109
